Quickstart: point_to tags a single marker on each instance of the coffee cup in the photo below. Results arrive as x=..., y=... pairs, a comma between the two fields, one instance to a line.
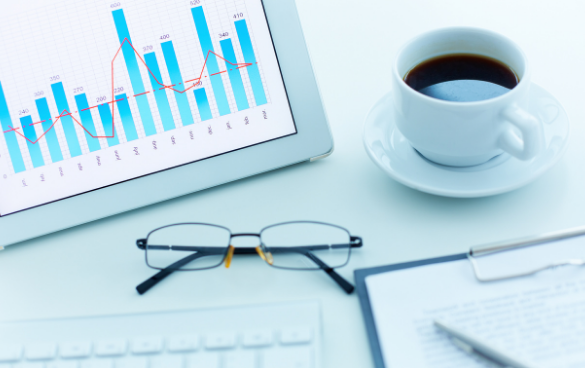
x=456, y=133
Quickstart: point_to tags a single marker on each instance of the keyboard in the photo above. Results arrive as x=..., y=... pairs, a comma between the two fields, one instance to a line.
x=268, y=336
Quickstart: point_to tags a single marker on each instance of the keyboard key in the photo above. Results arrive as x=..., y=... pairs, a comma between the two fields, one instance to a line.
x=224, y=340
x=10, y=353
x=296, y=335
x=167, y=362
x=41, y=351
x=131, y=363
x=29, y=365
x=62, y=365
x=110, y=348
x=241, y=359
x=256, y=339
x=147, y=345
x=75, y=349
x=182, y=344
x=203, y=360
x=102, y=363
x=288, y=358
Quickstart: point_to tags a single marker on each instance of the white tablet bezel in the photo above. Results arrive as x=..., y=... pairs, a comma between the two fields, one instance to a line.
x=313, y=140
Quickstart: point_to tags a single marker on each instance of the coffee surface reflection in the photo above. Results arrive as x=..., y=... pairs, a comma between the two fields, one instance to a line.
x=462, y=78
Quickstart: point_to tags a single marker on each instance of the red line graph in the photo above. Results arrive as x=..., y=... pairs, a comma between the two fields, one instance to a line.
x=195, y=81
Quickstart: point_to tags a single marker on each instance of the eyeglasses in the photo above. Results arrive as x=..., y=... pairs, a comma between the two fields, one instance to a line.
x=299, y=245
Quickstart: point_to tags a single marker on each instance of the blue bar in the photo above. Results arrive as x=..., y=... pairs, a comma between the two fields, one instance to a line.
x=212, y=67
x=107, y=122
x=126, y=116
x=66, y=121
x=177, y=80
x=31, y=141
x=50, y=134
x=162, y=100
x=235, y=77
x=134, y=72
x=11, y=141
x=87, y=120
x=203, y=104
x=250, y=58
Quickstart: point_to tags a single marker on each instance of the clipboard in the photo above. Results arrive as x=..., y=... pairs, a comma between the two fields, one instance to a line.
x=479, y=251
x=362, y=292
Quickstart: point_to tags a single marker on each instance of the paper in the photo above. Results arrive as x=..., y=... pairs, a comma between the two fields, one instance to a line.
x=539, y=318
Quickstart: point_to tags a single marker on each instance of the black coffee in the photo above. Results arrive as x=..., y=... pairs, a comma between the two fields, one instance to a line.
x=462, y=77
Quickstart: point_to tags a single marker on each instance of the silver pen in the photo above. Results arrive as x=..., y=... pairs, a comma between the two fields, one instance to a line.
x=472, y=344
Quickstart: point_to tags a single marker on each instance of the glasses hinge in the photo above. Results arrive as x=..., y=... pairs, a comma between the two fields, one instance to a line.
x=356, y=241
x=141, y=243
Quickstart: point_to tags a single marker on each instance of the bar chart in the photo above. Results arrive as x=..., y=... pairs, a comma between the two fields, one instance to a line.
x=95, y=93
x=159, y=96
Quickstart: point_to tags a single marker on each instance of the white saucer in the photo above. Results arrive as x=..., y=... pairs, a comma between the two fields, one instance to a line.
x=388, y=148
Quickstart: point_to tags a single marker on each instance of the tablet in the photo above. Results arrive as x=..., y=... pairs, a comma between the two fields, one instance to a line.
x=107, y=106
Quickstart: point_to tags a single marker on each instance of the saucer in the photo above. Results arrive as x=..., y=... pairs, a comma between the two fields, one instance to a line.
x=388, y=148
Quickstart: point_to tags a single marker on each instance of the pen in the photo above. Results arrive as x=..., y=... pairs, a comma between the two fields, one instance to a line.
x=472, y=344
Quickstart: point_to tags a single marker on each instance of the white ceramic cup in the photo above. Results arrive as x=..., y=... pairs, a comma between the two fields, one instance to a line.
x=466, y=133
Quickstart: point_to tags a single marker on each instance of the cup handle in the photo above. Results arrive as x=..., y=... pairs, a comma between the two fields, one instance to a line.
x=531, y=142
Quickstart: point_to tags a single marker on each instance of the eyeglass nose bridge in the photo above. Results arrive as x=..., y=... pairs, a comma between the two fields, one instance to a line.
x=260, y=249
x=251, y=235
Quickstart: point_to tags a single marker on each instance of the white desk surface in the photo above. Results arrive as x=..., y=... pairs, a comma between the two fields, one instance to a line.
x=93, y=269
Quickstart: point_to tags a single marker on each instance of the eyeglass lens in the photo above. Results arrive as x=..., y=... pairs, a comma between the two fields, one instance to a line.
x=293, y=245
x=187, y=247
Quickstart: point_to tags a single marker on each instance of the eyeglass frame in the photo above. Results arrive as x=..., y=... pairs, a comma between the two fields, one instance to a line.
x=230, y=251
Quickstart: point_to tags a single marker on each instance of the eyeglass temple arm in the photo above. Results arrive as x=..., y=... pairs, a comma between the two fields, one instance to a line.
x=345, y=285
x=162, y=274
x=355, y=242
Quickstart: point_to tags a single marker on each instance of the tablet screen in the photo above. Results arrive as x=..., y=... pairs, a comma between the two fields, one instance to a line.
x=94, y=93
